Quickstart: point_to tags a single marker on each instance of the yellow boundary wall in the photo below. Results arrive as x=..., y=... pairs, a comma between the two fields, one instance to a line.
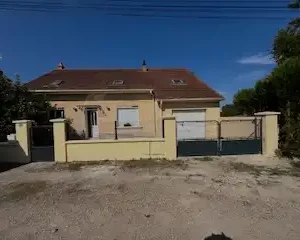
x=124, y=149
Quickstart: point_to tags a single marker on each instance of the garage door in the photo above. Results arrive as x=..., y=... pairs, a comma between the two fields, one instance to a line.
x=189, y=125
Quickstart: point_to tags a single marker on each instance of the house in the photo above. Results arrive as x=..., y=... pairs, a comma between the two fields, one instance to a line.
x=132, y=100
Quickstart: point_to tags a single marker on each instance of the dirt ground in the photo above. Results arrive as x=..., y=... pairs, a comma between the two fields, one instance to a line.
x=183, y=200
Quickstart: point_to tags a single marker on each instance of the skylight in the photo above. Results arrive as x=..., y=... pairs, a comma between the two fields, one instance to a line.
x=117, y=82
x=56, y=83
x=177, y=81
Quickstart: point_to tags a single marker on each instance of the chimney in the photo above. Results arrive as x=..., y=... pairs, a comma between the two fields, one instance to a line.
x=60, y=66
x=144, y=66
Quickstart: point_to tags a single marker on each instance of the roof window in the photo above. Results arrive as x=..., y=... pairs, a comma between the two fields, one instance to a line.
x=56, y=83
x=117, y=82
x=178, y=81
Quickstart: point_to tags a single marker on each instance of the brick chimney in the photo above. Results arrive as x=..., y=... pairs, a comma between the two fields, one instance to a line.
x=144, y=66
x=60, y=66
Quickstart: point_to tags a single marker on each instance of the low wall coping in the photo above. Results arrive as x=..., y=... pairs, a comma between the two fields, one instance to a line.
x=266, y=113
x=115, y=141
x=21, y=121
x=169, y=118
x=58, y=120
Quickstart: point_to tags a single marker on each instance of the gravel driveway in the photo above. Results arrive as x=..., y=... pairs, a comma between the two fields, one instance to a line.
x=189, y=200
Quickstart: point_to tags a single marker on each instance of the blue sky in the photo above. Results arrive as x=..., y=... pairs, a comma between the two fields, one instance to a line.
x=226, y=54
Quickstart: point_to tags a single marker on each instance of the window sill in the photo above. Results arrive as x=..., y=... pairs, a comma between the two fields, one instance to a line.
x=137, y=127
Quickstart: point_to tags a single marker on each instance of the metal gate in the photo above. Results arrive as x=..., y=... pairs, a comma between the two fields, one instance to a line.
x=42, y=143
x=204, y=145
x=241, y=137
x=227, y=137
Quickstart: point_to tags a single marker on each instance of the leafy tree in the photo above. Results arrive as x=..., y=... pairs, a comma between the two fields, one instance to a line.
x=229, y=110
x=18, y=103
x=287, y=42
x=243, y=100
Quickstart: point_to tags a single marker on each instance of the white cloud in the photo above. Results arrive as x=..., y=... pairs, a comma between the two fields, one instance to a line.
x=260, y=59
x=252, y=76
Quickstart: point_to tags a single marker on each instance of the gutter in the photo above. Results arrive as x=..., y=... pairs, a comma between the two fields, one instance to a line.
x=83, y=91
x=190, y=100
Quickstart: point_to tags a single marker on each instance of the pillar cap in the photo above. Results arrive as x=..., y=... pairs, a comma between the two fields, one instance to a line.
x=266, y=113
x=58, y=120
x=22, y=121
x=169, y=118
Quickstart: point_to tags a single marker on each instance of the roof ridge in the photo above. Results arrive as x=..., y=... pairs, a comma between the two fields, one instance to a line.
x=118, y=69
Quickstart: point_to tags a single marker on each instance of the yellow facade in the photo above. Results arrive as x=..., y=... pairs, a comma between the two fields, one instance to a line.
x=151, y=112
x=212, y=113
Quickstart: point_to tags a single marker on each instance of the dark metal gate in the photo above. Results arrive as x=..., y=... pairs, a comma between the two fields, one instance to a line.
x=227, y=137
x=42, y=143
x=206, y=144
x=241, y=137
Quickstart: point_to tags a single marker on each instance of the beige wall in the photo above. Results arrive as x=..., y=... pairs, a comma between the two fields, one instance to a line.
x=122, y=149
x=151, y=113
x=240, y=127
x=107, y=115
x=127, y=149
x=212, y=115
x=17, y=151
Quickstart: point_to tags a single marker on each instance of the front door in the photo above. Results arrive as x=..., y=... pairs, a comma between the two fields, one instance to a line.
x=92, y=121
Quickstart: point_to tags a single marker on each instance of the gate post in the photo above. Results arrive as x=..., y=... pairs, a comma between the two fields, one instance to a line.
x=170, y=138
x=59, y=132
x=23, y=136
x=270, y=132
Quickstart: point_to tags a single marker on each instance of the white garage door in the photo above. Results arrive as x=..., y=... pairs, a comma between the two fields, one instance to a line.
x=187, y=125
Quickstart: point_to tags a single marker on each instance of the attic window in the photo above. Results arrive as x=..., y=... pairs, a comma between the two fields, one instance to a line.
x=177, y=81
x=117, y=82
x=56, y=83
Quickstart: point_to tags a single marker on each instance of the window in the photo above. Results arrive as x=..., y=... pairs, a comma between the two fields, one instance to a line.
x=128, y=117
x=177, y=81
x=57, y=113
x=117, y=82
x=56, y=83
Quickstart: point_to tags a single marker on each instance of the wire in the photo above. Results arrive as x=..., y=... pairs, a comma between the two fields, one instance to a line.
x=152, y=10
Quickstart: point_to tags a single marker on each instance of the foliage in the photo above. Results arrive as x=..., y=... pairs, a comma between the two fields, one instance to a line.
x=229, y=110
x=280, y=91
x=243, y=100
x=18, y=103
x=287, y=42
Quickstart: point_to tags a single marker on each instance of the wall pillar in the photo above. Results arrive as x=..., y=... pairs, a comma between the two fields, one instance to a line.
x=170, y=138
x=59, y=132
x=23, y=128
x=270, y=132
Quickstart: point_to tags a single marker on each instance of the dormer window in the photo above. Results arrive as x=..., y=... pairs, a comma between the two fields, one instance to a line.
x=55, y=83
x=117, y=82
x=177, y=81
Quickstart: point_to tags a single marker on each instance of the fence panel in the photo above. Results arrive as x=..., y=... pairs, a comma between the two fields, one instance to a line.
x=197, y=138
x=240, y=137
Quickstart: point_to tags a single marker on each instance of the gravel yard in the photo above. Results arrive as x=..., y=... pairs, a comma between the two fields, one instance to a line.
x=142, y=200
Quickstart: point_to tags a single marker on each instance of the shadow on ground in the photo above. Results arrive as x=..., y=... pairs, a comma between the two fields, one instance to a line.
x=218, y=237
x=8, y=166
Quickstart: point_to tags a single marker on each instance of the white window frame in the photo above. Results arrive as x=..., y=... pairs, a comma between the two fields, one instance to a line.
x=137, y=125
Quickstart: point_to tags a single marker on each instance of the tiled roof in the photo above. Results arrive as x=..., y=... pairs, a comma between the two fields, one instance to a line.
x=160, y=80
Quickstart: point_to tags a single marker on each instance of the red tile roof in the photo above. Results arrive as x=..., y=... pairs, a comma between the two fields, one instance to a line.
x=160, y=80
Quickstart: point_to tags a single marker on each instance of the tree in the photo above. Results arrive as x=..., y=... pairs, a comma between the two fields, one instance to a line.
x=287, y=42
x=243, y=101
x=18, y=103
x=229, y=110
